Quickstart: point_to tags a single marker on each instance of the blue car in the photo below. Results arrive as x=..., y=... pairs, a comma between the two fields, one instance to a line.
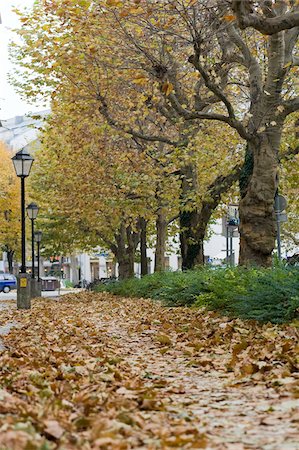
x=7, y=282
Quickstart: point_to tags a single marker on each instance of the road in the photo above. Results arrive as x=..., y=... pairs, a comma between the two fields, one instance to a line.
x=47, y=294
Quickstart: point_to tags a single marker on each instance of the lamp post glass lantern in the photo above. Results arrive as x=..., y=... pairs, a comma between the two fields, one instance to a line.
x=22, y=162
x=32, y=212
x=38, y=238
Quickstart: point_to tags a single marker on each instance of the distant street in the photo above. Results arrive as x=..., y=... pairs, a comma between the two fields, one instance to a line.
x=13, y=294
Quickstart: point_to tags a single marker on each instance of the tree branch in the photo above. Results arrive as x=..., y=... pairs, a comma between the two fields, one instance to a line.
x=211, y=85
x=126, y=129
x=234, y=123
x=255, y=75
x=266, y=25
x=290, y=106
x=223, y=182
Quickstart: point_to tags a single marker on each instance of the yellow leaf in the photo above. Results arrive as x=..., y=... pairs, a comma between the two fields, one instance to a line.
x=113, y=3
x=167, y=88
x=140, y=79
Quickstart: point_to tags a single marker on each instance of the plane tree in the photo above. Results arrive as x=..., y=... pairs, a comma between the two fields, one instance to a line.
x=244, y=56
x=118, y=87
x=99, y=185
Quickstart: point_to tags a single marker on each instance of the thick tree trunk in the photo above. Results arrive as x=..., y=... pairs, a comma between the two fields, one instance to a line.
x=191, y=239
x=161, y=231
x=193, y=224
x=192, y=233
x=258, y=188
x=124, y=251
x=143, y=247
x=126, y=266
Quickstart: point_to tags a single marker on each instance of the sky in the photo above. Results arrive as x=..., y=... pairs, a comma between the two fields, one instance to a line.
x=10, y=103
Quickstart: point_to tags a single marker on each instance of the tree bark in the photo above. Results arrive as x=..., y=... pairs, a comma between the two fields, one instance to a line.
x=258, y=188
x=127, y=241
x=10, y=255
x=161, y=230
x=193, y=224
x=125, y=266
x=191, y=239
x=143, y=247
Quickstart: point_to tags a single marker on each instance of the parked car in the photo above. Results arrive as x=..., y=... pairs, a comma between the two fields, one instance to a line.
x=7, y=282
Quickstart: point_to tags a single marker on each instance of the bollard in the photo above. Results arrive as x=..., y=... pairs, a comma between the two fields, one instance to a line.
x=23, y=291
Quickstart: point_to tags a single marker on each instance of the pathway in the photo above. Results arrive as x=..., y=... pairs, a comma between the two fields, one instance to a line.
x=97, y=372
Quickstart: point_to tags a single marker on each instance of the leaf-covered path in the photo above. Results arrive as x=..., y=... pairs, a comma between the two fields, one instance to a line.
x=91, y=371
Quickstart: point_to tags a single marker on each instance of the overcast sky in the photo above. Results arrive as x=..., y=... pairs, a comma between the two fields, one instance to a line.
x=10, y=103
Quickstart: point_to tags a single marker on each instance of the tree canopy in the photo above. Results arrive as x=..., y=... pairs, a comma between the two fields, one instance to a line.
x=188, y=85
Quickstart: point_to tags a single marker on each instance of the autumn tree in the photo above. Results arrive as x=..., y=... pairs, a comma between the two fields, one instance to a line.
x=87, y=61
x=246, y=80
x=96, y=183
x=10, y=229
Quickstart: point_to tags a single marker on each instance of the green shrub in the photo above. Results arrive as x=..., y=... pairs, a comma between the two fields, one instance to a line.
x=260, y=294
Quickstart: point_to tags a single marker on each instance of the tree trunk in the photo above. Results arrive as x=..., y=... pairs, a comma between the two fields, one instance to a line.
x=161, y=230
x=192, y=233
x=143, y=247
x=193, y=224
x=126, y=267
x=191, y=239
x=258, y=188
x=124, y=251
x=10, y=255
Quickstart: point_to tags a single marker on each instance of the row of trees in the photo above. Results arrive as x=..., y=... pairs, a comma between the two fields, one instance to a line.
x=158, y=109
x=10, y=232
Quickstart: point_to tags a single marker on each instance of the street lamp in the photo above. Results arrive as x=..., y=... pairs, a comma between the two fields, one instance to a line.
x=32, y=212
x=22, y=162
x=38, y=237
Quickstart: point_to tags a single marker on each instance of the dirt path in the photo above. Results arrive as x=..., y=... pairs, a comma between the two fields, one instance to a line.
x=95, y=372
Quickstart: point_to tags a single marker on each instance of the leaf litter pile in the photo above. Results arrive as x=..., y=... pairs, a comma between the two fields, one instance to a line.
x=92, y=371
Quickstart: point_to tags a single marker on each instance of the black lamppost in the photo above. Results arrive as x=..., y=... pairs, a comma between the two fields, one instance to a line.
x=38, y=237
x=22, y=162
x=32, y=212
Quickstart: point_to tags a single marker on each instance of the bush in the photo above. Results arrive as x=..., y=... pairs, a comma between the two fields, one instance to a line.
x=260, y=294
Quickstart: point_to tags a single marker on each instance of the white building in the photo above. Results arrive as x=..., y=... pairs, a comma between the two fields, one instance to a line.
x=21, y=131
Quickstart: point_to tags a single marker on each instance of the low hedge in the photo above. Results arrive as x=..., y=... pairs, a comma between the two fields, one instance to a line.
x=259, y=294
